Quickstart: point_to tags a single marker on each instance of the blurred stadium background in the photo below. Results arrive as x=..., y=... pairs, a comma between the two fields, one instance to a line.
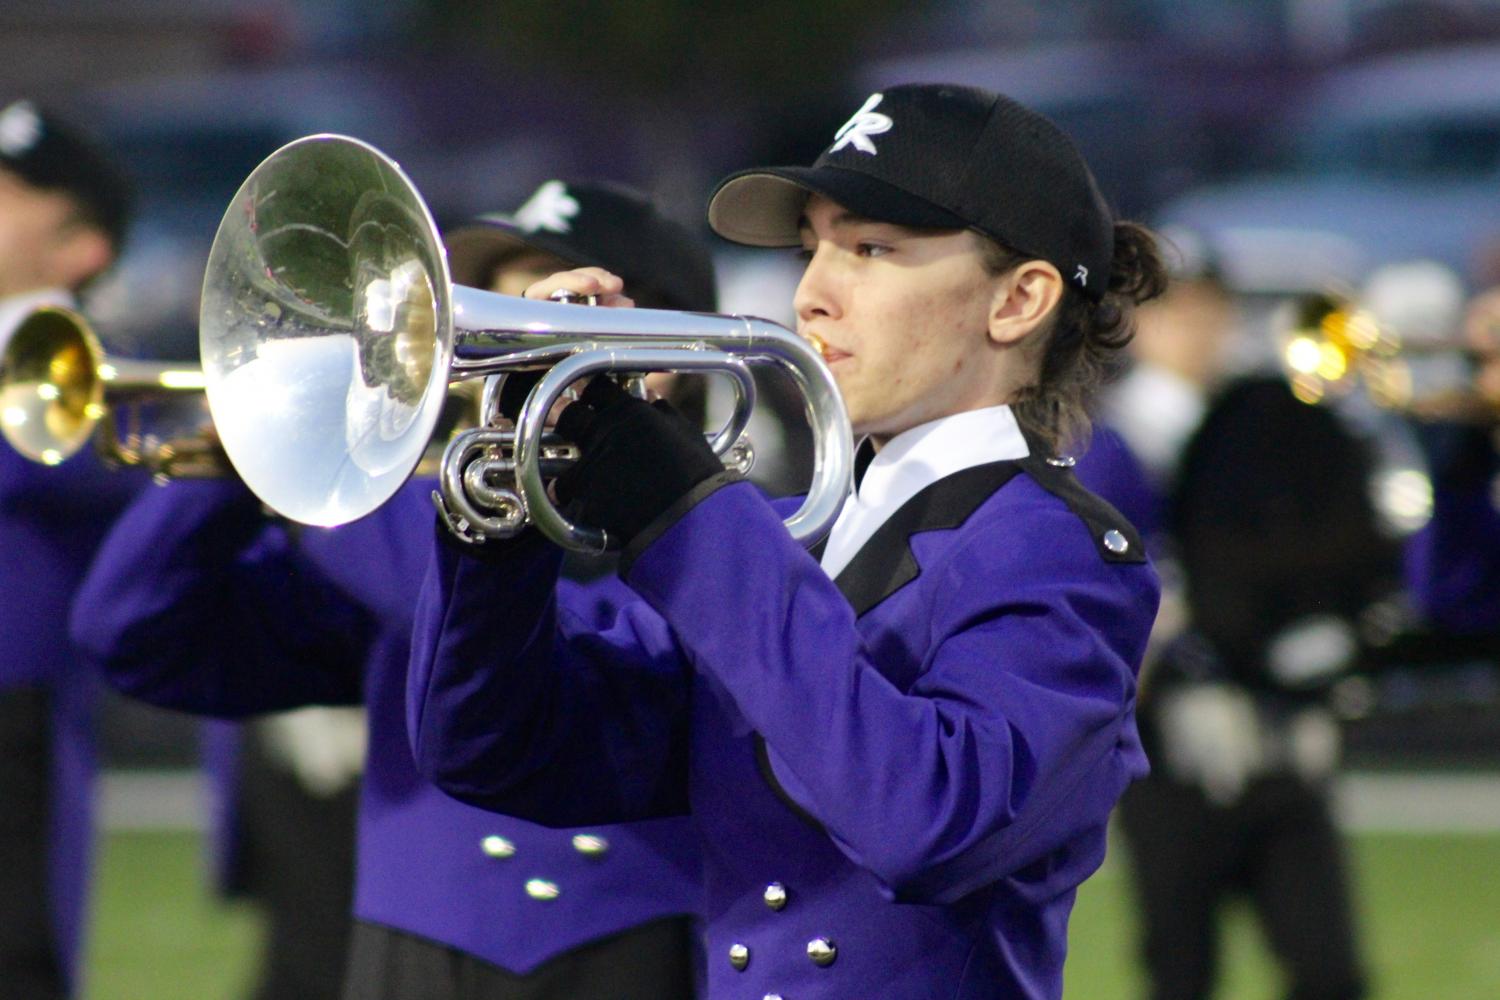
x=1318, y=139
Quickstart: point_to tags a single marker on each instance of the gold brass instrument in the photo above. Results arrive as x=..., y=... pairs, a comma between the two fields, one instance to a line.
x=57, y=386
x=330, y=330
x=1331, y=346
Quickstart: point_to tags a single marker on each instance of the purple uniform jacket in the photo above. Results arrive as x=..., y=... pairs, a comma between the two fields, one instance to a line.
x=899, y=778
x=207, y=609
x=1110, y=469
x=1453, y=564
x=51, y=520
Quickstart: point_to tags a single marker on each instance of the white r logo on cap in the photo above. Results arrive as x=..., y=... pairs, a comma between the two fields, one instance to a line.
x=550, y=208
x=864, y=123
x=1082, y=277
x=20, y=128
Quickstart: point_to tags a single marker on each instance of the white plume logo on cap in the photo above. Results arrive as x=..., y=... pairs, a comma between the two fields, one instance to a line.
x=861, y=125
x=550, y=208
x=20, y=128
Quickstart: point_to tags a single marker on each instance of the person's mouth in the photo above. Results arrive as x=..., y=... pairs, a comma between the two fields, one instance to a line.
x=830, y=353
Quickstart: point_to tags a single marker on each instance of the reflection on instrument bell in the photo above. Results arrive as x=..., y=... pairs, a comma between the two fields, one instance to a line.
x=57, y=388
x=330, y=331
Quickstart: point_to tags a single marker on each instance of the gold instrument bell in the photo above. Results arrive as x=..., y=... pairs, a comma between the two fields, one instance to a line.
x=57, y=387
x=1331, y=346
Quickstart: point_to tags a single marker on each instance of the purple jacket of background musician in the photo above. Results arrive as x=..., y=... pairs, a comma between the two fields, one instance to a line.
x=899, y=778
x=51, y=520
x=196, y=603
x=1110, y=469
x=1453, y=563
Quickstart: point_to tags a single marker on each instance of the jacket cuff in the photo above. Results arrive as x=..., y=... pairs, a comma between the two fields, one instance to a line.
x=493, y=551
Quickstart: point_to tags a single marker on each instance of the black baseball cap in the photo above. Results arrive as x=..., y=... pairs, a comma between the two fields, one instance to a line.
x=50, y=154
x=943, y=157
x=593, y=225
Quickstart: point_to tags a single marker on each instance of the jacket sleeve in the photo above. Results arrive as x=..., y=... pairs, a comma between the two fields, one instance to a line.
x=1016, y=735
x=1453, y=563
x=195, y=602
x=560, y=703
x=80, y=491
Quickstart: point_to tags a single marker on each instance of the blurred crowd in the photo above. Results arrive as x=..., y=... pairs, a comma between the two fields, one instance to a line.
x=1305, y=433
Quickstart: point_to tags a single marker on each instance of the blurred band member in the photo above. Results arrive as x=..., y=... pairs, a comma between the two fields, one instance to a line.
x=900, y=760
x=450, y=901
x=63, y=213
x=1257, y=507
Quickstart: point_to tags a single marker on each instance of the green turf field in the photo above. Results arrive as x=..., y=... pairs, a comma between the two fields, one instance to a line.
x=1429, y=906
x=158, y=933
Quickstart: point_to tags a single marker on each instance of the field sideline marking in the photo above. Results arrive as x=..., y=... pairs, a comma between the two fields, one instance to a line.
x=1365, y=802
x=1372, y=802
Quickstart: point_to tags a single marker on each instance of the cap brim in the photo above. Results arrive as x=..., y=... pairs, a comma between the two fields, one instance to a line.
x=476, y=248
x=763, y=208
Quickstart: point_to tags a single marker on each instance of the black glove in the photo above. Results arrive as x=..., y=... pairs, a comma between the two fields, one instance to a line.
x=638, y=460
x=514, y=390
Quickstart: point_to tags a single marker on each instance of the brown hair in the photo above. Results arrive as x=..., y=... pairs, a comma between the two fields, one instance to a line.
x=1085, y=337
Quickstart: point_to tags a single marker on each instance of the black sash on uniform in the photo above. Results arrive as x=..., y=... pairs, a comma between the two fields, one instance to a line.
x=652, y=962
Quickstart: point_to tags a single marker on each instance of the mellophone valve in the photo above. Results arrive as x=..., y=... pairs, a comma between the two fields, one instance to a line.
x=481, y=496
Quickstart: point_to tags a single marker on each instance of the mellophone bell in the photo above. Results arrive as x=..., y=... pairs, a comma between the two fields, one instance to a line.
x=330, y=331
x=58, y=387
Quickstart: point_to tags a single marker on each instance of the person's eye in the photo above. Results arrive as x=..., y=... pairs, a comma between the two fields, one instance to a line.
x=867, y=249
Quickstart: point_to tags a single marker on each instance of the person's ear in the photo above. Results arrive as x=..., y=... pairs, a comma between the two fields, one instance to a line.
x=79, y=254
x=1024, y=298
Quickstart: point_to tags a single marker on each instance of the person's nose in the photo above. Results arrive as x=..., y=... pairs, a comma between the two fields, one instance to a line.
x=817, y=294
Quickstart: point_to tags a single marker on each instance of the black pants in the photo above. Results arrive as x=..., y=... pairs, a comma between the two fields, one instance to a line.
x=1278, y=847
x=298, y=865
x=651, y=962
x=30, y=968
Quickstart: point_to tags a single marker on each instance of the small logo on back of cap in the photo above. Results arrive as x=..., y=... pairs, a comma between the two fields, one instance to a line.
x=1082, y=275
x=550, y=208
x=864, y=123
x=20, y=128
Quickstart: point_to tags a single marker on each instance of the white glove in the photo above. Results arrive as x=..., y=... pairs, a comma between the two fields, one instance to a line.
x=324, y=748
x=1211, y=738
x=1314, y=744
x=1312, y=651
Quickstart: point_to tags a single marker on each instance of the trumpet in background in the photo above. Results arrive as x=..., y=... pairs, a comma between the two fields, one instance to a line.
x=1333, y=345
x=58, y=389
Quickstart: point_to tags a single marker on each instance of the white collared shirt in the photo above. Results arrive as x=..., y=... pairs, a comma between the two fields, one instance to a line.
x=17, y=307
x=912, y=461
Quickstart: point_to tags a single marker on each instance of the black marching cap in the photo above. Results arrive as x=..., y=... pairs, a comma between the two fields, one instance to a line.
x=943, y=157
x=593, y=225
x=50, y=154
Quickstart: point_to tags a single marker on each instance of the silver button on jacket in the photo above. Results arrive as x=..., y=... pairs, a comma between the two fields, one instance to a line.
x=822, y=952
